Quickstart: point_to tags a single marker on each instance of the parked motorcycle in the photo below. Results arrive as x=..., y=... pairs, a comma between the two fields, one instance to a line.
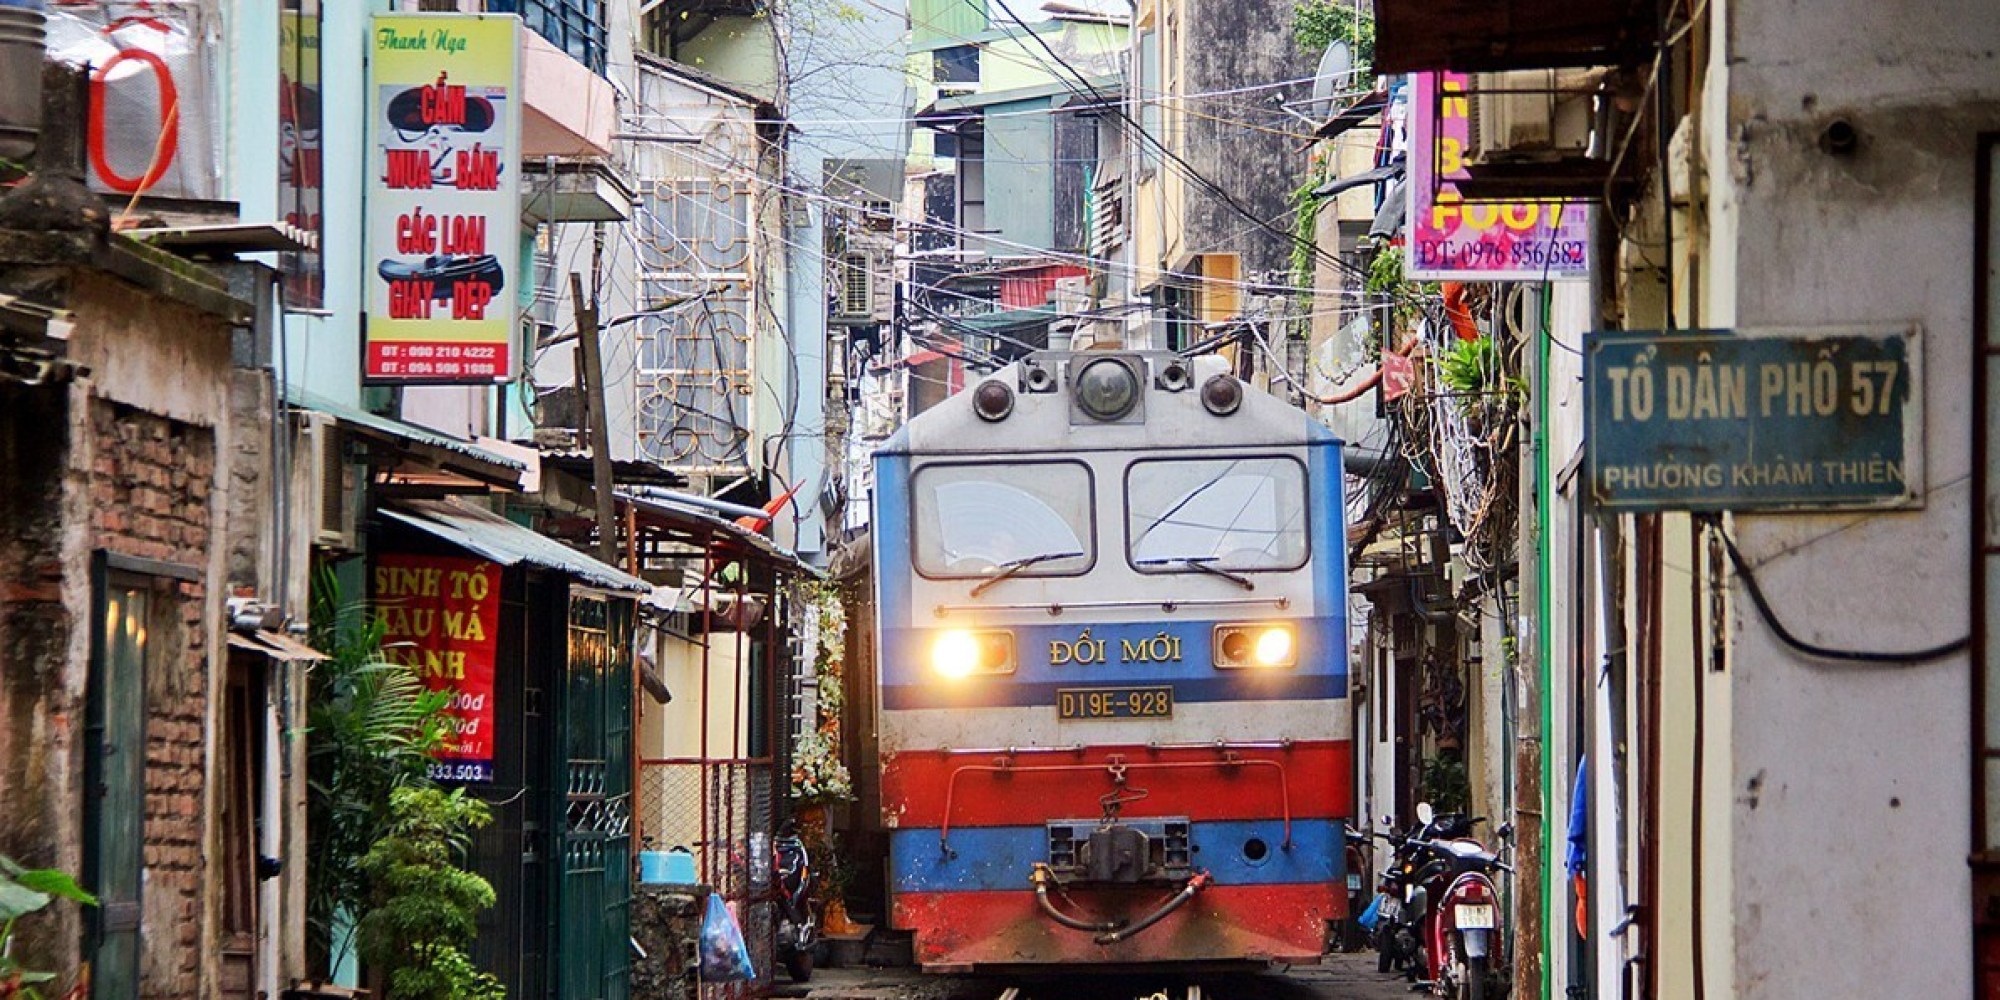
x=1464, y=938
x=798, y=922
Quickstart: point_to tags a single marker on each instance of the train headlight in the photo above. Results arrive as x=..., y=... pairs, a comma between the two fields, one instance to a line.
x=958, y=653
x=1256, y=645
x=992, y=400
x=1222, y=394
x=1107, y=389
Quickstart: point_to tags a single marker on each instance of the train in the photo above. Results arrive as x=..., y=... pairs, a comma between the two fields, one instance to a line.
x=1112, y=691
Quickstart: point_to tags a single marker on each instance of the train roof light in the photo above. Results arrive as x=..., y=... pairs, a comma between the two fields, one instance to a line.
x=992, y=400
x=1107, y=389
x=1222, y=394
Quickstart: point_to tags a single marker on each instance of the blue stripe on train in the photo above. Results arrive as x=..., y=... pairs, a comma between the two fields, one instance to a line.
x=1000, y=857
x=1005, y=692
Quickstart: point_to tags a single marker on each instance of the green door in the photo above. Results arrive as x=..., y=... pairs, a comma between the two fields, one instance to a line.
x=115, y=774
x=594, y=896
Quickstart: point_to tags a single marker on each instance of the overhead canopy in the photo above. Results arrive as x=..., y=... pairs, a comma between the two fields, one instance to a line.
x=432, y=447
x=1472, y=36
x=491, y=536
x=276, y=645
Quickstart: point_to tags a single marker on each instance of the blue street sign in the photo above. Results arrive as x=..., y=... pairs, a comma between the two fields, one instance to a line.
x=1754, y=419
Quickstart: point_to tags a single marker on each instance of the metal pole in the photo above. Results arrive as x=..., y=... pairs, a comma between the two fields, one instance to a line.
x=592, y=391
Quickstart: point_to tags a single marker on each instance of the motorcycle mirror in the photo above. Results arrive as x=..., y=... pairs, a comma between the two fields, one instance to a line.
x=1388, y=820
x=1425, y=814
x=1506, y=831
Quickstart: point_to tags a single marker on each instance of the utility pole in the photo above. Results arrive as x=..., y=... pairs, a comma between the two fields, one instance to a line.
x=590, y=378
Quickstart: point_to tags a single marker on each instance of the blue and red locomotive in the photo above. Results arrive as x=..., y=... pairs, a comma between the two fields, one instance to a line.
x=1111, y=600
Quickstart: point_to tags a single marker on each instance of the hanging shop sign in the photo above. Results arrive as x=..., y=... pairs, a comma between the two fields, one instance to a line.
x=444, y=201
x=1451, y=239
x=1754, y=419
x=441, y=616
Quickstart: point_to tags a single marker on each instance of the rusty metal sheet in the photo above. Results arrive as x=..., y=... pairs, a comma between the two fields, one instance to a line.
x=1755, y=419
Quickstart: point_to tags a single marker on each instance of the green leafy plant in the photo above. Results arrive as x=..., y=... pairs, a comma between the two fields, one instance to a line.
x=423, y=908
x=1317, y=24
x=1472, y=370
x=373, y=725
x=26, y=891
x=1445, y=785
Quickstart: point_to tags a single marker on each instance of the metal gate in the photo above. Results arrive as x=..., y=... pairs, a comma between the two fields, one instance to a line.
x=594, y=888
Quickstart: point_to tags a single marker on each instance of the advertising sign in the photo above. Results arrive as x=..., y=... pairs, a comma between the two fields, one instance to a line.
x=152, y=128
x=1754, y=420
x=441, y=616
x=1454, y=240
x=444, y=202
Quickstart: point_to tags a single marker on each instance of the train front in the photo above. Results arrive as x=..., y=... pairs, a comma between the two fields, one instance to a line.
x=1111, y=601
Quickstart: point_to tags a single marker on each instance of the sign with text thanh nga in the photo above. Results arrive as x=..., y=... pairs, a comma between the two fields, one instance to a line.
x=1754, y=419
x=444, y=199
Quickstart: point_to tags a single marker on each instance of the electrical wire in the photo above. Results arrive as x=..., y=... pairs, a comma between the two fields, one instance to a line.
x=1814, y=650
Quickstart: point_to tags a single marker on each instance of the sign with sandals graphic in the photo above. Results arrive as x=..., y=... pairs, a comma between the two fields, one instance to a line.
x=443, y=199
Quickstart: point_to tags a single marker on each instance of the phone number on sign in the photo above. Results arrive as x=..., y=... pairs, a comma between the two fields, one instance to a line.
x=1453, y=253
x=440, y=771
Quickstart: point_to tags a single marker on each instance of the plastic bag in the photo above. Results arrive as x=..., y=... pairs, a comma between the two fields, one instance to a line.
x=1373, y=914
x=724, y=956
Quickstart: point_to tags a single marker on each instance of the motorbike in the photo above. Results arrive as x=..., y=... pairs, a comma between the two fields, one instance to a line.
x=798, y=922
x=1464, y=937
x=1352, y=936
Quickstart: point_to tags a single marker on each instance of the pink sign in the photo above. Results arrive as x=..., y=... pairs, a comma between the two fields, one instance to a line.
x=1455, y=240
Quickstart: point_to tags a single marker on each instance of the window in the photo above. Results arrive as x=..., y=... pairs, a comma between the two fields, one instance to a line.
x=958, y=64
x=972, y=520
x=299, y=149
x=1232, y=514
x=574, y=26
x=854, y=298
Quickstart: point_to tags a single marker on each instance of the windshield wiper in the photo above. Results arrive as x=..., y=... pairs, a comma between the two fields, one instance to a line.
x=1204, y=564
x=1013, y=566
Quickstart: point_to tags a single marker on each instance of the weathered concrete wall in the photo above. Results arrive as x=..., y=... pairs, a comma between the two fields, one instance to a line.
x=41, y=703
x=1851, y=802
x=1232, y=44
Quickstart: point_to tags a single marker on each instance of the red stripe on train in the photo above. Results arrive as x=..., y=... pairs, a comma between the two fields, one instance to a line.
x=928, y=788
x=1278, y=923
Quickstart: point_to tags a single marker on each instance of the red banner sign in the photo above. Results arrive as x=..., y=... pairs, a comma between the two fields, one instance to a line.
x=441, y=616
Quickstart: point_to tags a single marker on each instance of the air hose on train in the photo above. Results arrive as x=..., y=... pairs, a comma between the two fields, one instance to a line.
x=1112, y=931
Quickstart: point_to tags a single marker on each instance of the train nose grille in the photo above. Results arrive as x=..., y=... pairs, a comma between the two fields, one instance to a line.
x=1148, y=850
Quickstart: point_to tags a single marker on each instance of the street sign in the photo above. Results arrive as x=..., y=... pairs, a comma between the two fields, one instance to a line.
x=1716, y=420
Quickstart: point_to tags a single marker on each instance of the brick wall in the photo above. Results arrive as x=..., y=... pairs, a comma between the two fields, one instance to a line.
x=150, y=481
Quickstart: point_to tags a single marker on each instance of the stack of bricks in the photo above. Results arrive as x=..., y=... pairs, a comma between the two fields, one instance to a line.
x=150, y=485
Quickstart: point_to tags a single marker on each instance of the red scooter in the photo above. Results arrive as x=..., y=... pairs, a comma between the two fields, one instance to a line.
x=1464, y=936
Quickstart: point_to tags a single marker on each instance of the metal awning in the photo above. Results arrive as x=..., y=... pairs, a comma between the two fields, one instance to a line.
x=229, y=238
x=434, y=447
x=1472, y=36
x=491, y=536
x=276, y=645
x=702, y=527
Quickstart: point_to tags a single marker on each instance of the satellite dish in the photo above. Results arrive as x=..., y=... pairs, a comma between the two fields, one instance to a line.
x=1336, y=68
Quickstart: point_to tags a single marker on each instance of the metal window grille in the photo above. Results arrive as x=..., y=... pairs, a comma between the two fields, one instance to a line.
x=574, y=26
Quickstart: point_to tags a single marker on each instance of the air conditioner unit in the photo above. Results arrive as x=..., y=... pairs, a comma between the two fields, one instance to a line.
x=1530, y=115
x=336, y=489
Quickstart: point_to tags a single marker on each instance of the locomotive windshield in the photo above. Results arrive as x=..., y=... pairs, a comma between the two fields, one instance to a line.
x=1219, y=514
x=1023, y=519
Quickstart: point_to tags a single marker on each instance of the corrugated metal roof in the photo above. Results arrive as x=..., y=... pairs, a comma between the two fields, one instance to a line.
x=494, y=537
x=397, y=428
